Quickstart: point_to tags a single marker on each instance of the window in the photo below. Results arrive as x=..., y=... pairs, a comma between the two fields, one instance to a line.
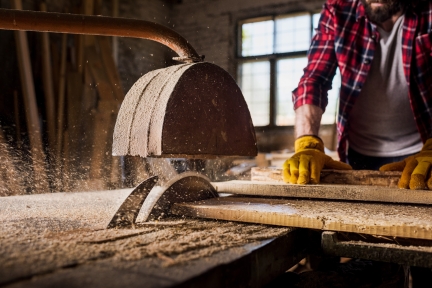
x=272, y=55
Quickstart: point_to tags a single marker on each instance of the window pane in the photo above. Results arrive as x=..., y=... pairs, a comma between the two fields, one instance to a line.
x=254, y=81
x=289, y=72
x=257, y=38
x=293, y=33
x=329, y=116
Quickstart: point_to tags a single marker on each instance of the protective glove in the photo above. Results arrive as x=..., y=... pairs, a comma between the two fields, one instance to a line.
x=415, y=169
x=306, y=164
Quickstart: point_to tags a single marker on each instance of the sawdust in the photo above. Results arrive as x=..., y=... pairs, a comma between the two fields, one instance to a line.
x=28, y=251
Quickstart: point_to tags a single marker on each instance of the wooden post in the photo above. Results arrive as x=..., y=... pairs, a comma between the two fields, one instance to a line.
x=17, y=120
x=60, y=109
x=41, y=184
x=104, y=118
x=48, y=85
x=115, y=13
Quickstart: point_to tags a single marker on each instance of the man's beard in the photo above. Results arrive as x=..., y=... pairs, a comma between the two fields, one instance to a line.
x=384, y=13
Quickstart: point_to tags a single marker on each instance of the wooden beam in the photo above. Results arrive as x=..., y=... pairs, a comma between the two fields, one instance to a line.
x=17, y=120
x=326, y=191
x=74, y=91
x=61, y=111
x=406, y=221
x=47, y=77
x=32, y=115
x=346, y=177
x=107, y=108
x=115, y=13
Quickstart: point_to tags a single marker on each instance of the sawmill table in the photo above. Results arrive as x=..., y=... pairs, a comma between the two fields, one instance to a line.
x=59, y=239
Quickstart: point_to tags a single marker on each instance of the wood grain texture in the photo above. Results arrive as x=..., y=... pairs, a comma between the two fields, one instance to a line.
x=326, y=191
x=407, y=221
x=352, y=177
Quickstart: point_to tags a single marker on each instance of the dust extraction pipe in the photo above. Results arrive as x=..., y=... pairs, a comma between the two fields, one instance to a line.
x=98, y=25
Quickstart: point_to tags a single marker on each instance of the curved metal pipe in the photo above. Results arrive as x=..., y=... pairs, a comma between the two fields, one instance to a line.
x=97, y=25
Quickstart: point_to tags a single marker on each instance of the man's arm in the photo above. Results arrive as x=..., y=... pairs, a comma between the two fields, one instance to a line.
x=307, y=121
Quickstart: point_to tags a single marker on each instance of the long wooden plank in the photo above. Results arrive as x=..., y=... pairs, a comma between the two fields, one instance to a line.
x=352, y=177
x=326, y=191
x=104, y=119
x=33, y=125
x=407, y=221
x=47, y=77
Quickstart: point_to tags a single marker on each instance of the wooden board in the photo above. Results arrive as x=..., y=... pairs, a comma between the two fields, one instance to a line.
x=352, y=177
x=407, y=221
x=48, y=85
x=104, y=118
x=326, y=191
x=40, y=178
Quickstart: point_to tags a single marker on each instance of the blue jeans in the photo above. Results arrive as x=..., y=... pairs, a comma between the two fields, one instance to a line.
x=362, y=162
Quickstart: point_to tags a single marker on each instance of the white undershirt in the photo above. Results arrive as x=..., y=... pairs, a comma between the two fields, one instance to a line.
x=381, y=123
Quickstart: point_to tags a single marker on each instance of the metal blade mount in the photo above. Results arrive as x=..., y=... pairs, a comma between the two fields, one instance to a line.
x=127, y=213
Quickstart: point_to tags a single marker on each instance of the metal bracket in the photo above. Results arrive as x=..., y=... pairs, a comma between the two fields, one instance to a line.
x=410, y=252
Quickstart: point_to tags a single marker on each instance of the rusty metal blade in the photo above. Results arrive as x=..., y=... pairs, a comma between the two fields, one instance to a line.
x=127, y=213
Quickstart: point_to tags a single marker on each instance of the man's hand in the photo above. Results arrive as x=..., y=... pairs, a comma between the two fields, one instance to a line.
x=415, y=169
x=306, y=164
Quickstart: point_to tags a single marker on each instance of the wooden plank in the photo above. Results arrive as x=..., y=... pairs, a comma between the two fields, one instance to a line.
x=110, y=68
x=107, y=108
x=351, y=177
x=115, y=14
x=47, y=77
x=61, y=99
x=326, y=191
x=17, y=120
x=101, y=139
x=74, y=91
x=407, y=221
x=40, y=178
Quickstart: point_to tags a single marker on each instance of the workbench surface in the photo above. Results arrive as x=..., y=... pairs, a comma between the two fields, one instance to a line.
x=59, y=239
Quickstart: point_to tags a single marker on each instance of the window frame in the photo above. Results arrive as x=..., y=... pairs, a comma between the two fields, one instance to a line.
x=272, y=58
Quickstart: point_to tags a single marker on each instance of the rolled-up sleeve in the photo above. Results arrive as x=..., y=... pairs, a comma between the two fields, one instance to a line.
x=321, y=68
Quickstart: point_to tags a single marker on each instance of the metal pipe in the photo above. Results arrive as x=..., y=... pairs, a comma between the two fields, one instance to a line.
x=97, y=25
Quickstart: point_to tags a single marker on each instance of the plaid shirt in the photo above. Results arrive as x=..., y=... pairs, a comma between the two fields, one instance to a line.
x=346, y=39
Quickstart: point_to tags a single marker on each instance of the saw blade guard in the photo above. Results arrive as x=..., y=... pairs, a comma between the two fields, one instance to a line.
x=185, y=111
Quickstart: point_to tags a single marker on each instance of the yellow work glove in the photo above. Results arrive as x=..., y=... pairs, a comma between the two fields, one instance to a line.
x=415, y=169
x=306, y=164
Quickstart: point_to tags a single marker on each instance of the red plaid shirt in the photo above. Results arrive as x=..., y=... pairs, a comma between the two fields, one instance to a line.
x=346, y=39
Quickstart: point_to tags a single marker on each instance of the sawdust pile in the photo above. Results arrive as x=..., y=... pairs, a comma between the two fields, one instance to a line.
x=172, y=242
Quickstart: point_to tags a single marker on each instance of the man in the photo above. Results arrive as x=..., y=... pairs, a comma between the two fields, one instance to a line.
x=383, y=51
